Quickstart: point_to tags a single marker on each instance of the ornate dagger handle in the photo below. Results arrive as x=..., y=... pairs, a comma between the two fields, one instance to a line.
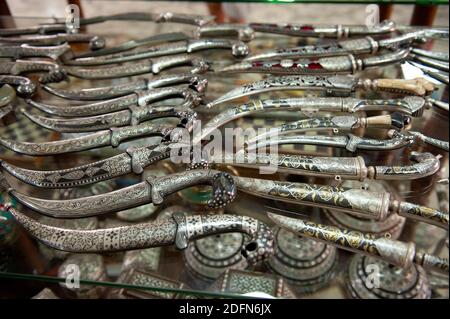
x=394, y=252
x=357, y=202
x=419, y=86
x=24, y=86
x=178, y=229
x=54, y=72
x=148, y=96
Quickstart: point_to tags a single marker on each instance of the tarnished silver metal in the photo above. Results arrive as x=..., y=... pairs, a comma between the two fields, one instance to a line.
x=133, y=116
x=23, y=85
x=326, y=65
x=112, y=137
x=149, y=66
x=336, y=123
x=433, y=63
x=366, y=45
x=95, y=42
x=241, y=31
x=328, y=31
x=238, y=49
x=350, y=142
x=421, y=213
x=194, y=81
x=395, y=252
x=152, y=190
x=432, y=72
x=342, y=85
x=442, y=56
x=30, y=51
x=54, y=73
x=134, y=160
x=178, y=230
x=60, y=26
x=135, y=102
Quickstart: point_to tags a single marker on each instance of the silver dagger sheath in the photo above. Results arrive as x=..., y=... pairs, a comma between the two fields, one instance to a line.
x=395, y=252
x=336, y=123
x=132, y=116
x=134, y=160
x=177, y=230
x=423, y=164
x=112, y=137
x=366, y=45
x=342, y=85
x=149, y=66
x=326, y=65
x=238, y=49
x=136, y=101
x=410, y=105
x=152, y=190
x=100, y=93
x=351, y=142
x=327, y=31
x=358, y=202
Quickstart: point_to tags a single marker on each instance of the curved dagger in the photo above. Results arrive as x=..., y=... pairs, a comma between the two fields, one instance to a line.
x=335, y=84
x=366, y=45
x=350, y=142
x=337, y=123
x=135, y=101
x=132, y=116
x=410, y=105
x=424, y=164
x=394, y=252
x=54, y=72
x=328, y=31
x=326, y=65
x=26, y=51
x=134, y=160
x=358, y=202
x=129, y=16
x=24, y=86
x=95, y=42
x=194, y=82
x=238, y=49
x=152, y=190
x=112, y=137
x=150, y=66
x=177, y=230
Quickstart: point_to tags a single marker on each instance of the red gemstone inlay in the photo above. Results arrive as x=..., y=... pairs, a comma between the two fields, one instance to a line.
x=314, y=66
x=307, y=28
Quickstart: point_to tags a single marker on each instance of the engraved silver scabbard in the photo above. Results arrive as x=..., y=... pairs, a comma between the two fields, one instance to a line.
x=395, y=252
x=149, y=66
x=133, y=116
x=134, y=160
x=194, y=81
x=328, y=31
x=326, y=65
x=238, y=49
x=177, y=230
x=152, y=190
x=112, y=137
x=136, y=100
x=350, y=142
x=342, y=85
